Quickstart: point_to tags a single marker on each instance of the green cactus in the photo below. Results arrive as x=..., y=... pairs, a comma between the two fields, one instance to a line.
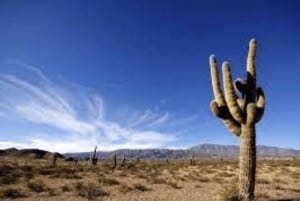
x=240, y=114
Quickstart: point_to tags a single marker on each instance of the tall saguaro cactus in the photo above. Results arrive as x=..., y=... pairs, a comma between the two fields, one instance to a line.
x=240, y=113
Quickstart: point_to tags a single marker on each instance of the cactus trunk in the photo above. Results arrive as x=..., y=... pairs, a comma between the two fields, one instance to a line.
x=247, y=163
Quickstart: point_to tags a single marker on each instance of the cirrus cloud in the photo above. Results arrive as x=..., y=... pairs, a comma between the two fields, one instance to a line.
x=76, y=112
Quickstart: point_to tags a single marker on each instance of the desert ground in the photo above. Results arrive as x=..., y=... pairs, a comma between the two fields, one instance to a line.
x=143, y=180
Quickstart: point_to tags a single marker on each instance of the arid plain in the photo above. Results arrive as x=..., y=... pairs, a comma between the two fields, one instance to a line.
x=27, y=179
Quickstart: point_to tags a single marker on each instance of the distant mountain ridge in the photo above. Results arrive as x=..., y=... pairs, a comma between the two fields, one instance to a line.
x=30, y=153
x=199, y=151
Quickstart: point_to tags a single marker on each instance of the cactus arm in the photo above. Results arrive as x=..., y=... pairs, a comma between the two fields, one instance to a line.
x=251, y=59
x=251, y=72
x=219, y=111
x=230, y=96
x=223, y=113
x=232, y=126
x=260, y=104
x=215, y=81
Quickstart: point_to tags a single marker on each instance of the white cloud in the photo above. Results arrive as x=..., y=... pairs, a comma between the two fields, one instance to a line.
x=150, y=118
x=42, y=114
x=6, y=144
x=160, y=120
x=77, y=112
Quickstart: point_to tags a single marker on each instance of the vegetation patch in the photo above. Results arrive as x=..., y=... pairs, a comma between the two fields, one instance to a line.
x=12, y=193
x=91, y=191
x=37, y=186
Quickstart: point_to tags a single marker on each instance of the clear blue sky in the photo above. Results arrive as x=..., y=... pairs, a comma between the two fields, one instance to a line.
x=119, y=74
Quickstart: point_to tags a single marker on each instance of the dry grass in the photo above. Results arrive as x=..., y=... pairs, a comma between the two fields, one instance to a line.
x=177, y=180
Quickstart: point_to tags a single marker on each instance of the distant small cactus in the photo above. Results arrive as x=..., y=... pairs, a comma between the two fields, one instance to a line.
x=192, y=160
x=114, y=161
x=54, y=158
x=123, y=160
x=94, y=157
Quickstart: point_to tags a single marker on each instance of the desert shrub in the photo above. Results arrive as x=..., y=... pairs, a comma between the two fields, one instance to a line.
x=7, y=169
x=123, y=174
x=131, y=166
x=191, y=177
x=28, y=171
x=109, y=181
x=27, y=168
x=12, y=193
x=123, y=188
x=141, y=187
x=66, y=188
x=79, y=168
x=230, y=193
x=10, y=179
x=225, y=174
x=90, y=191
x=277, y=187
x=279, y=181
x=37, y=186
x=209, y=170
x=262, y=196
x=9, y=174
x=219, y=180
x=262, y=181
x=141, y=175
x=65, y=172
x=29, y=175
x=173, y=184
x=157, y=180
x=52, y=192
x=70, y=159
x=46, y=170
x=203, y=179
x=297, y=190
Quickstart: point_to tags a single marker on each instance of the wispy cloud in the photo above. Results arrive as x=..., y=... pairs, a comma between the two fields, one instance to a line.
x=160, y=120
x=150, y=118
x=76, y=111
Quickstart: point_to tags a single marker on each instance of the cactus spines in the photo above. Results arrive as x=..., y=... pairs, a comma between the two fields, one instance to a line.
x=240, y=114
x=94, y=157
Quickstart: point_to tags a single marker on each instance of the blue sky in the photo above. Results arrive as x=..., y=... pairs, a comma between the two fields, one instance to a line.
x=119, y=74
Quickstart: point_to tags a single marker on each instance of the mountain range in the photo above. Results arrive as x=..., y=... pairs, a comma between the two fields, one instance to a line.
x=199, y=151
x=28, y=153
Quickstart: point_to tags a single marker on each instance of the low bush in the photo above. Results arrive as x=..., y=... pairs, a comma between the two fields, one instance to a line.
x=90, y=191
